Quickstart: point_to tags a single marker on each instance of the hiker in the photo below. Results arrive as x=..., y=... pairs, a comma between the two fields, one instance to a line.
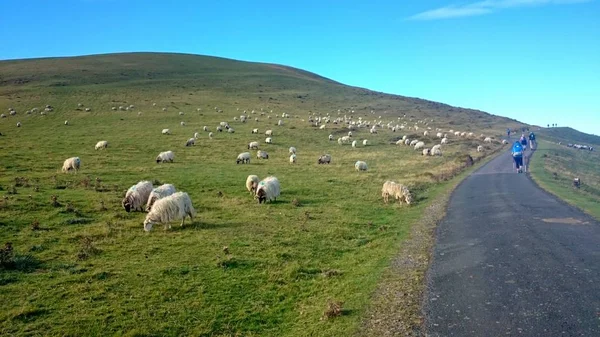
x=532, y=141
x=517, y=154
x=523, y=141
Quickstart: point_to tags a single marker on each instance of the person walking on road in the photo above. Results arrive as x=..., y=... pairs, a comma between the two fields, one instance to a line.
x=517, y=154
x=532, y=141
x=523, y=141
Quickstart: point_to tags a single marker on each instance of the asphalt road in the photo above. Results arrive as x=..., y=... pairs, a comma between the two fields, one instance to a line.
x=512, y=260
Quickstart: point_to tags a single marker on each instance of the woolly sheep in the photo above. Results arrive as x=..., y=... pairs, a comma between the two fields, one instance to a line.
x=196, y=135
x=167, y=156
x=419, y=145
x=166, y=132
x=137, y=196
x=292, y=150
x=360, y=166
x=436, y=150
x=340, y=141
x=322, y=127
x=480, y=148
x=230, y=130
x=88, y=109
x=2, y=116
x=72, y=163
x=267, y=190
x=293, y=158
x=398, y=191
x=262, y=154
x=269, y=140
x=354, y=143
x=181, y=113
x=254, y=130
x=210, y=135
x=330, y=137
x=487, y=140
x=205, y=128
x=219, y=128
x=253, y=146
x=414, y=142
x=444, y=141
x=425, y=133
x=18, y=124
x=66, y=122
x=101, y=145
x=280, y=122
x=400, y=142
x=269, y=133
x=365, y=142
x=160, y=192
x=182, y=123
x=439, y=135
x=324, y=159
x=243, y=158
x=407, y=141
x=190, y=142
x=349, y=133
x=504, y=141
x=251, y=183
x=173, y=207
x=426, y=152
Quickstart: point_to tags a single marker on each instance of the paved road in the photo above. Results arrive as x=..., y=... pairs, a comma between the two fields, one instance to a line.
x=512, y=260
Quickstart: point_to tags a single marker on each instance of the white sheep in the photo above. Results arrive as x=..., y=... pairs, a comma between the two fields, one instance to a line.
x=137, y=196
x=268, y=189
x=293, y=158
x=210, y=135
x=400, y=142
x=66, y=122
x=360, y=166
x=262, y=154
x=330, y=137
x=324, y=159
x=230, y=130
x=397, y=191
x=160, y=192
x=439, y=135
x=365, y=142
x=173, y=207
x=166, y=132
x=88, y=109
x=219, y=129
x=322, y=127
x=253, y=146
x=407, y=141
x=436, y=150
x=269, y=133
x=182, y=123
x=181, y=113
x=167, y=156
x=480, y=148
x=18, y=124
x=426, y=152
x=205, y=128
x=292, y=150
x=243, y=158
x=72, y=163
x=444, y=141
x=504, y=141
x=349, y=133
x=254, y=130
x=269, y=140
x=251, y=183
x=354, y=143
x=190, y=142
x=196, y=135
x=101, y=145
x=280, y=123
x=414, y=142
x=419, y=145
x=425, y=133
x=487, y=140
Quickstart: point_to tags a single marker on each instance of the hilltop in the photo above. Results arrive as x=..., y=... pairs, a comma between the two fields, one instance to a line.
x=570, y=135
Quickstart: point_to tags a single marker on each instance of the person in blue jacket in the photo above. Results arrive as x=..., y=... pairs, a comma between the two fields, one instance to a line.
x=517, y=154
x=523, y=141
x=532, y=140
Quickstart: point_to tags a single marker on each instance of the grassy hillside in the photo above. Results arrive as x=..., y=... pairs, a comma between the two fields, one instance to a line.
x=568, y=135
x=80, y=265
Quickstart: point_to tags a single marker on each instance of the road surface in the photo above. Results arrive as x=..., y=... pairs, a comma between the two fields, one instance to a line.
x=512, y=260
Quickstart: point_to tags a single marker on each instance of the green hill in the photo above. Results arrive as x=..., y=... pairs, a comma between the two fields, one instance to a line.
x=568, y=135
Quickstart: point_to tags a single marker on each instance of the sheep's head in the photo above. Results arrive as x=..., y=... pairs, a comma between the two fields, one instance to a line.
x=148, y=225
x=261, y=195
x=126, y=205
x=409, y=198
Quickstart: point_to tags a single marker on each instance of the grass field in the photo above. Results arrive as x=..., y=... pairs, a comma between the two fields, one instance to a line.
x=555, y=166
x=83, y=266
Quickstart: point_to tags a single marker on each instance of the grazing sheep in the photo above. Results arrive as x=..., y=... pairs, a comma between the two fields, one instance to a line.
x=253, y=146
x=88, y=109
x=160, y=192
x=101, y=145
x=137, y=196
x=205, y=128
x=365, y=142
x=196, y=135
x=293, y=158
x=267, y=190
x=444, y=141
x=243, y=158
x=262, y=154
x=166, y=132
x=255, y=131
x=269, y=140
x=269, y=133
x=419, y=145
x=480, y=148
x=322, y=127
x=340, y=141
x=114, y=108
x=400, y=142
x=439, y=135
x=280, y=123
x=407, y=141
x=18, y=124
x=360, y=166
x=190, y=142
x=436, y=150
x=354, y=143
x=425, y=133
x=426, y=152
x=251, y=183
x=2, y=116
x=173, y=207
x=182, y=123
x=414, y=142
x=181, y=113
x=72, y=163
x=324, y=159
x=330, y=137
x=487, y=140
x=397, y=191
x=349, y=133
x=167, y=156
x=219, y=128
x=504, y=141
x=230, y=130
x=292, y=150
x=210, y=135
x=66, y=122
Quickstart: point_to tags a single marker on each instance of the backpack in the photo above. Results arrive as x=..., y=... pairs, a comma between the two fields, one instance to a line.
x=517, y=149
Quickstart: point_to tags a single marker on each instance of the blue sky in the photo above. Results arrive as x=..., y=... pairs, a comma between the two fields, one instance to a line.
x=534, y=60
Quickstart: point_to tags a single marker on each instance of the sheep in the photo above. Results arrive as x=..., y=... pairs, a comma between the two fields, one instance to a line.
x=167, y=156
x=400, y=142
x=196, y=135
x=173, y=207
x=349, y=133
x=457, y=133
x=426, y=152
x=101, y=145
x=354, y=144
x=324, y=159
x=444, y=141
x=419, y=145
x=504, y=141
x=88, y=109
x=18, y=124
x=360, y=166
x=2, y=116
x=262, y=154
x=166, y=132
x=114, y=108
x=66, y=122
x=269, y=133
x=182, y=123
x=160, y=192
x=210, y=135
x=269, y=140
x=253, y=146
x=181, y=113
x=230, y=130
x=219, y=128
x=340, y=141
x=414, y=142
x=322, y=127
x=292, y=150
x=397, y=191
x=436, y=150
x=243, y=158
x=407, y=141
x=280, y=123
x=205, y=128
x=487, y=140
x=267, y=190
x=251, y=183
x=480, y=148
x=72, y=163
x=255, y=131
x=190, y=142
x=330, y=137
x=137, y=196
x=365, y=142
x=425, y=133
x=439, y=135
x=373, y=131
x=293, y=158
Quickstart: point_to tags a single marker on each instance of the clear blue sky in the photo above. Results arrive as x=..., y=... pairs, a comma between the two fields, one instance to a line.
x=534, y=60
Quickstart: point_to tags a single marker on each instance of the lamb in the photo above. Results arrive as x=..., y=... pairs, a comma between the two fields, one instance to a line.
x=365, y=142
x=360, y=166
x=190, y=142
x=173, y=207
x=262, y=155
x=269, y=140
x=72, y=163
x=253, y=146
x=166, y=132
x=101, y=145
x=166, y=156
x=397, y=191
x=292, y=150
x=480, y=148
x=324, y=159
x=293, y=158
x=252, y=183
x=160, y=192
x=137, y=196
x=243, y=158
x=267, y=190
x=419, y=145
x=269, y=133
x=436, y=150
